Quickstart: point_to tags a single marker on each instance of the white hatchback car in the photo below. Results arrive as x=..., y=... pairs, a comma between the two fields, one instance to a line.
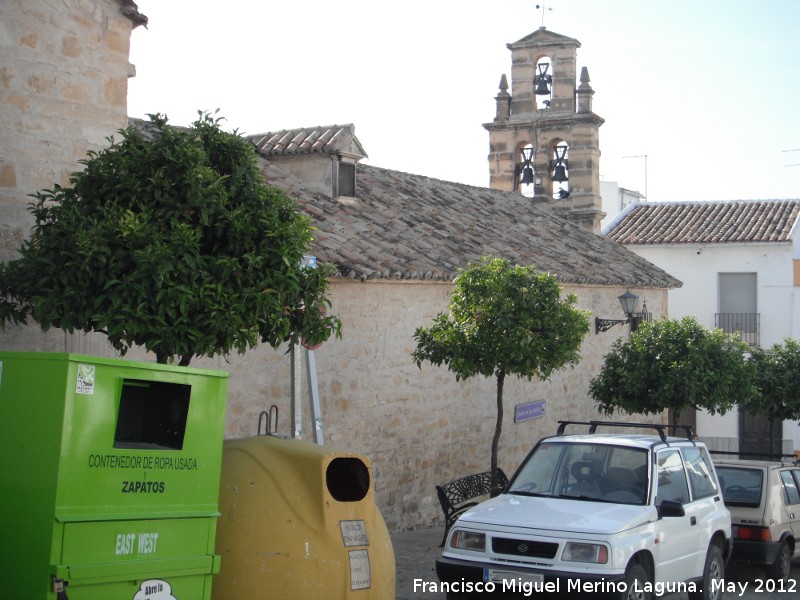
x=764, y=501
x=624, y=516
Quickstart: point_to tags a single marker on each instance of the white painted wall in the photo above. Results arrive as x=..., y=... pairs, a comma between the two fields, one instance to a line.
x=614, y=199
x=778, y=300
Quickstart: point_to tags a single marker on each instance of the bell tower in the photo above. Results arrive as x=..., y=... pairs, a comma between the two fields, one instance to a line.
x=544, y=141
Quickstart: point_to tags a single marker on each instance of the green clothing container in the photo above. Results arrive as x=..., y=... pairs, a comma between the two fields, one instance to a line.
x=109, y=478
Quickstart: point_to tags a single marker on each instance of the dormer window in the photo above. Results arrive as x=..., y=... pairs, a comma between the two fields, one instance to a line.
x=323, y=157
x=345, y=179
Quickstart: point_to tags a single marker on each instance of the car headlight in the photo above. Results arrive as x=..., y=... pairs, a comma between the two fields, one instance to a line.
x=468, y=540
x=583, y=552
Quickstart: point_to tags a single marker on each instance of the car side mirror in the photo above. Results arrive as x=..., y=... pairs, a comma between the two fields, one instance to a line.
x=671, y=508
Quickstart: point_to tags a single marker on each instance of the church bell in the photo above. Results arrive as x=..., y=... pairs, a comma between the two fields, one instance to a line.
x=560, y=165
x=527, y=175
x=543, y=80
x=527, y=165
x=542, y=88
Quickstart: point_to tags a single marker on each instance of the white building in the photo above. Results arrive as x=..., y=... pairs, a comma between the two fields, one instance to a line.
x=739, y=262
x=615, y=199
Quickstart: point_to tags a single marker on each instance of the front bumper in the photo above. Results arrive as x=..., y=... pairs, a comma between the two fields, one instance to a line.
x=517, y=581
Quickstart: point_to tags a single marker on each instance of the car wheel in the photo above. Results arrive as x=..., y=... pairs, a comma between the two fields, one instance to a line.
x=782, y=565
x=714, y=570
x=636, y=580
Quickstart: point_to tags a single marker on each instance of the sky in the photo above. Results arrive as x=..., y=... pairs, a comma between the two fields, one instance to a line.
x=701, y=99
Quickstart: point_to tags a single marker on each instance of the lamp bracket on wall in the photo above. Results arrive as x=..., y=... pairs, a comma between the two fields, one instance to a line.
x=628, y=302
x=606, y=324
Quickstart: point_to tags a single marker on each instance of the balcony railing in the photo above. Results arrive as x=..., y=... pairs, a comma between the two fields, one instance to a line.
x=639, y=318
x=746, y=325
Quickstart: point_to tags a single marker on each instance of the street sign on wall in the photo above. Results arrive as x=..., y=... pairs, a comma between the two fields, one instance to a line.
x=529, y=410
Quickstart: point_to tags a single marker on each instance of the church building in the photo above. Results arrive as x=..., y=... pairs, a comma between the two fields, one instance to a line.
x=397, y=240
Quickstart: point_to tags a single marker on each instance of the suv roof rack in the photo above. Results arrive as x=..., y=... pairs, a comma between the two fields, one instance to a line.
x=659, y=427
x=780, y=458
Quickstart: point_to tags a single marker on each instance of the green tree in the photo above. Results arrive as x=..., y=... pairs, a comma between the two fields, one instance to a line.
x=170, y=239
x=673, y=364
x=504, y=320
x=777, y=375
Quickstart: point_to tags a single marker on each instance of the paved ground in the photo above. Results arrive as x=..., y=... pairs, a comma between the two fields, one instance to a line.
x=416, y=552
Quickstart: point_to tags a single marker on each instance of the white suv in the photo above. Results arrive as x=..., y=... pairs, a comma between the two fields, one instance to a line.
x=624, y=516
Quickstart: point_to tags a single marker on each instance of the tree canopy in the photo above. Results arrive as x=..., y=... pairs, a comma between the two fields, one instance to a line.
x=673, y=364
x=777, y=373
x=170, y=239
x=504, y=320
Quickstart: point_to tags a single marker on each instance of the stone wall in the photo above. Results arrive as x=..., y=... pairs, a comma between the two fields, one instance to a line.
x=63, y=91
x=419, y=426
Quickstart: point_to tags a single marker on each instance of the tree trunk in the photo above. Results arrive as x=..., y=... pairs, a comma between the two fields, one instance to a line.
x=498, y=428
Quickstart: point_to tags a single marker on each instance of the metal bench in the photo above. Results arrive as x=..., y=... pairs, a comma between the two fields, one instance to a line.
x=459, y=495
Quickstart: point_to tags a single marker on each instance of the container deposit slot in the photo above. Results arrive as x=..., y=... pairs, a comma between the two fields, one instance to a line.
x=347, y=479
x=152, y=415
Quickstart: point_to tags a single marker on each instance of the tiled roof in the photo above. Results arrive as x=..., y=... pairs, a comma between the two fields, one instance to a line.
x=705, y=222
x=330, y=139
x=411, y=227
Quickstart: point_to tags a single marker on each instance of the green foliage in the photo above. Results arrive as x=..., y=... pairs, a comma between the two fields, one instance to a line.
x=170, y=240
x=777, y=372
x=671, y=364
x=504, y=320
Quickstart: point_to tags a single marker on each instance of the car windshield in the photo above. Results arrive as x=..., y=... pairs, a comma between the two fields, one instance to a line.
x=584, y=471
x=740, y=486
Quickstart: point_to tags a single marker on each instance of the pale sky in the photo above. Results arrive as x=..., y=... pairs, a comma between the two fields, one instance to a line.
x=708, y=90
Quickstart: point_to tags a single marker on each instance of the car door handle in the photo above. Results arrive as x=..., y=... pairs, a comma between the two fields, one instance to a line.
x=693, y=520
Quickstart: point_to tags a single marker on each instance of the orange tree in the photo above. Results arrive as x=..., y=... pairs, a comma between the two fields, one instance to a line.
x=504, y=320
x=673, y=364
x=170, y=239
x=777, y=375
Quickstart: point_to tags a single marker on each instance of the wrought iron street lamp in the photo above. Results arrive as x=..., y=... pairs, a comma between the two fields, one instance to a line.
x=628, y=301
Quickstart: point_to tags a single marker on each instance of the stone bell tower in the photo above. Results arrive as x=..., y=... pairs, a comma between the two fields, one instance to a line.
x=544, y=141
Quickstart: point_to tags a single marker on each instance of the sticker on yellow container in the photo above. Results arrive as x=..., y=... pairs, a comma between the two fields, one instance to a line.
x=360, y=578
x=354, y=533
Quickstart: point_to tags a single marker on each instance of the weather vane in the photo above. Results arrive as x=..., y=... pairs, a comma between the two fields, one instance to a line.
x=543, y=6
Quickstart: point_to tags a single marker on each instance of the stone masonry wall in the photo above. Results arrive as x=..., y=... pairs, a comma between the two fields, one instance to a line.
x=420, y=427
x=63, y=91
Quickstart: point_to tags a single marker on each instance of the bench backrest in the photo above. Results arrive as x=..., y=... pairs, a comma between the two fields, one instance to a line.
x=471, y=486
